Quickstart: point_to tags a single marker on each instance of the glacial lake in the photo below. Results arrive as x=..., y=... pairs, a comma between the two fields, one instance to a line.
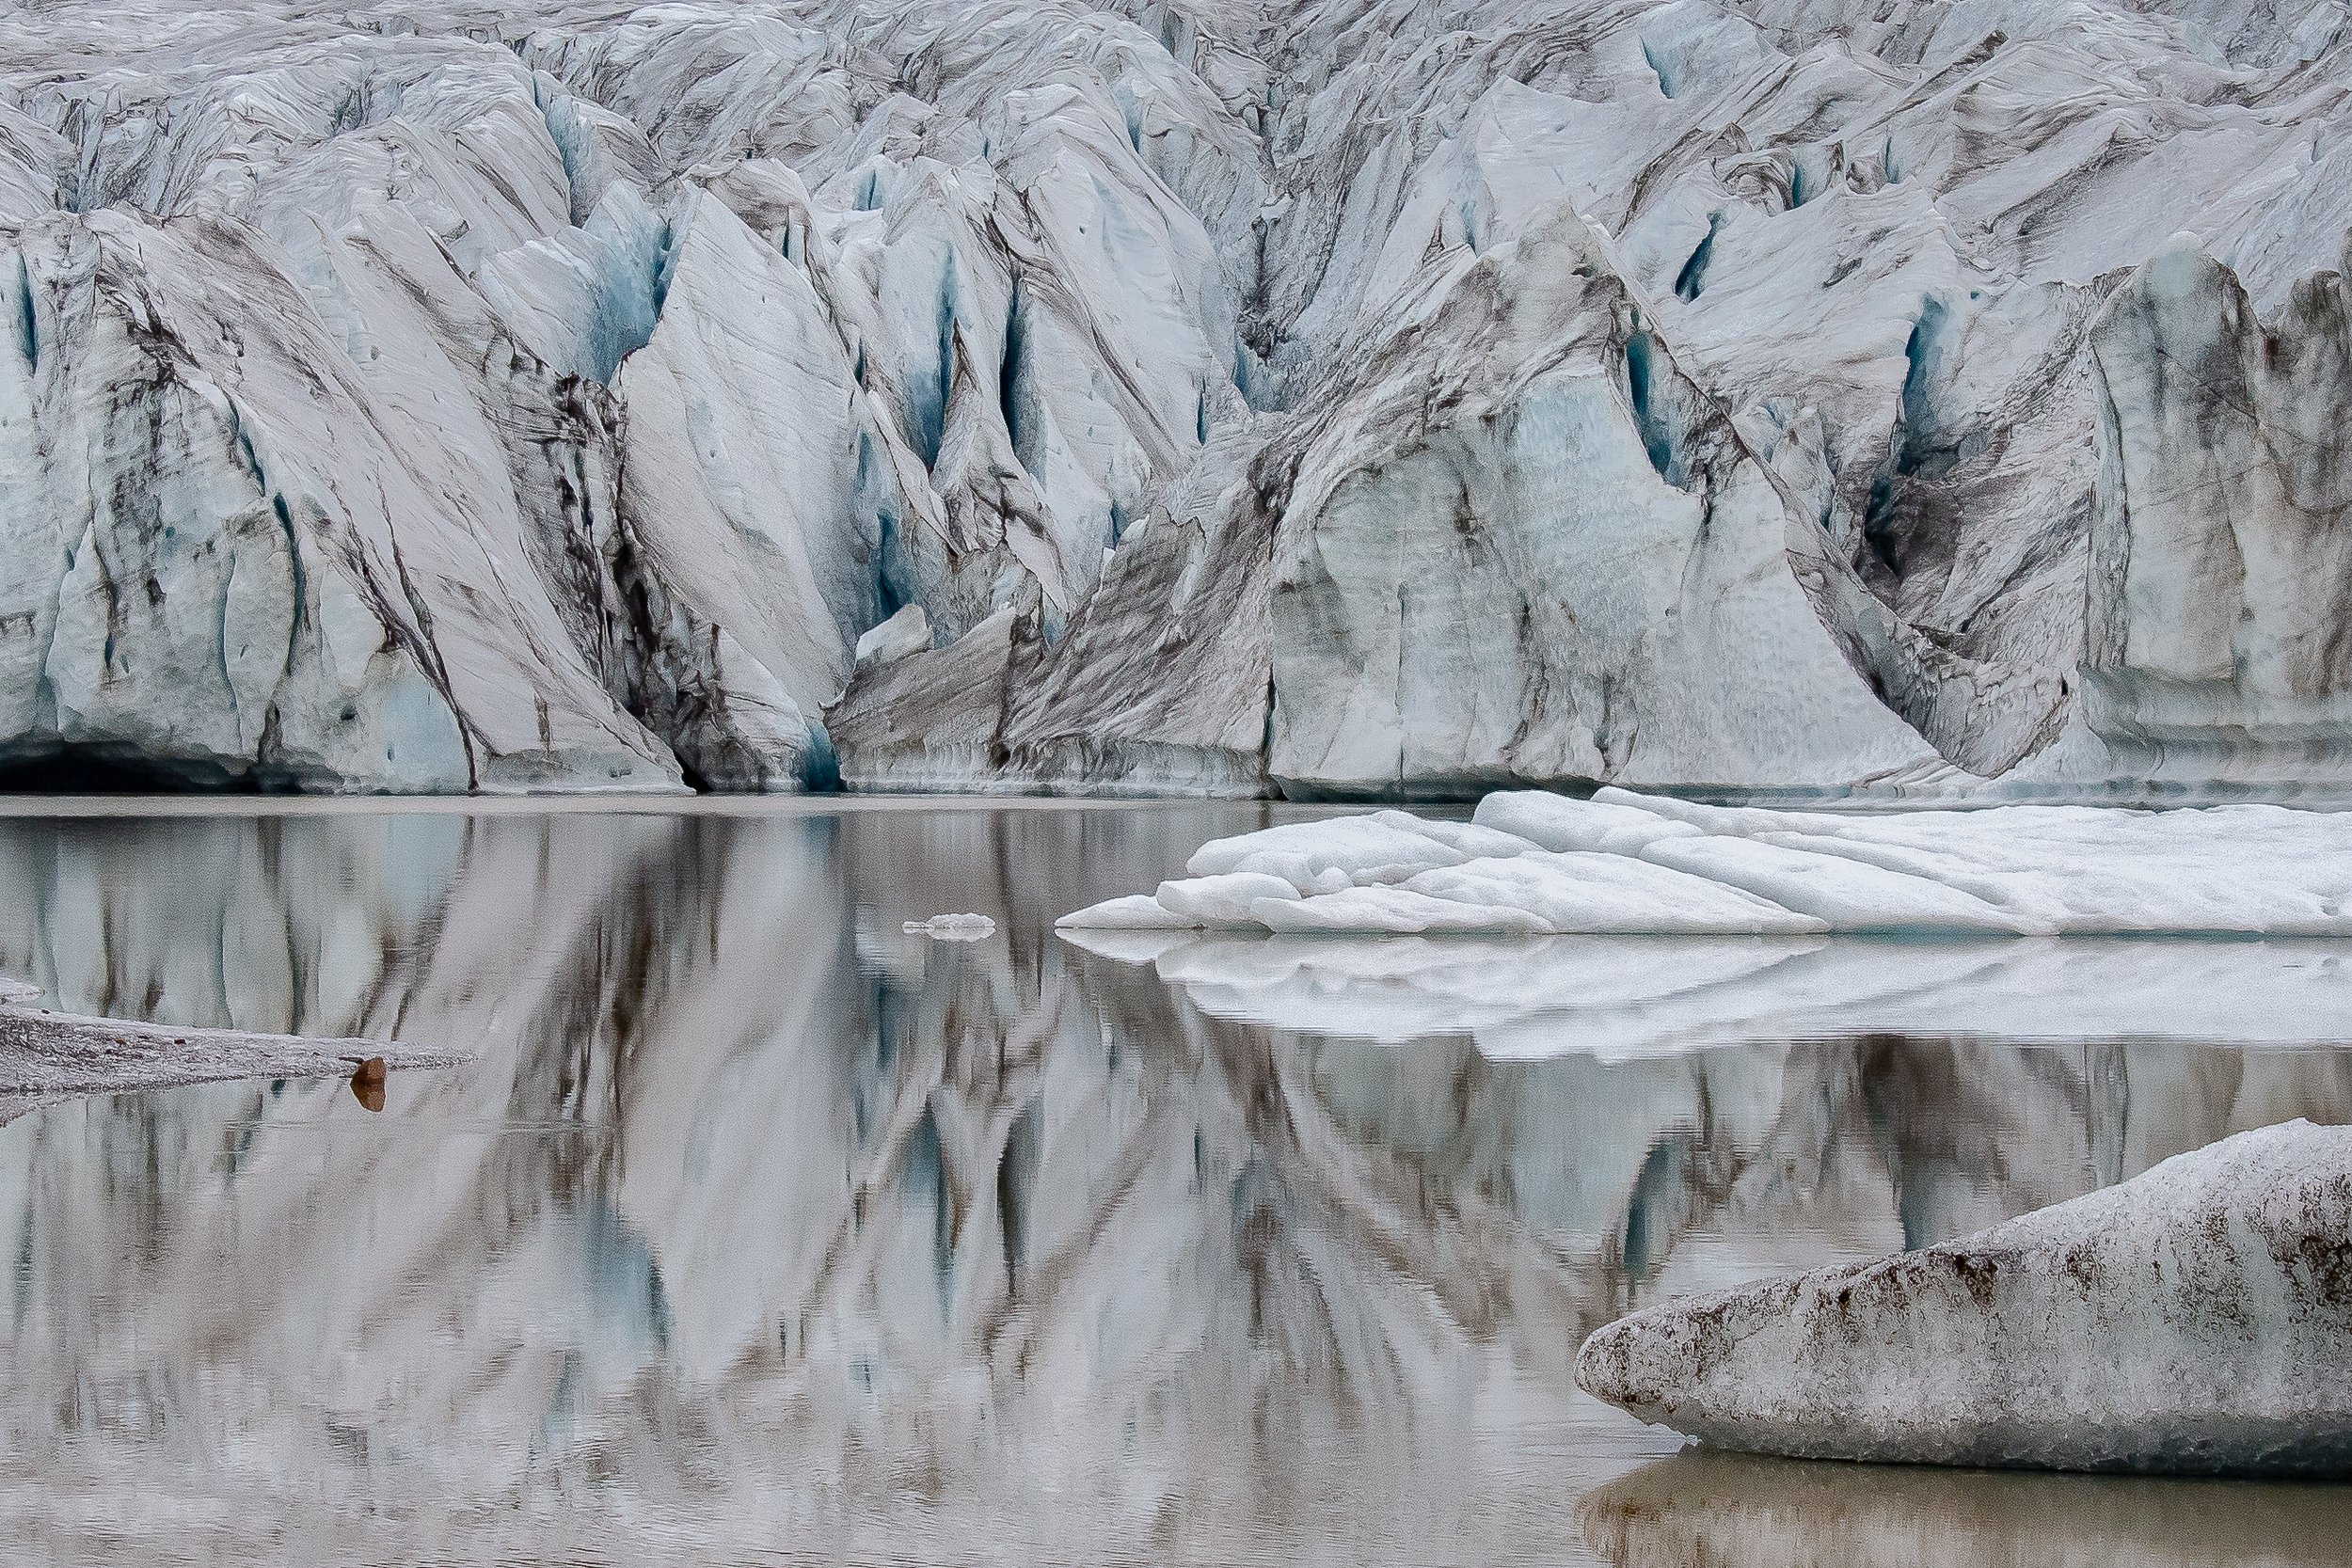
x=760, y=1230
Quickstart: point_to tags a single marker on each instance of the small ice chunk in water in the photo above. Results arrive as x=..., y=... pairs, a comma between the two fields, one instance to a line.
x=952, y=928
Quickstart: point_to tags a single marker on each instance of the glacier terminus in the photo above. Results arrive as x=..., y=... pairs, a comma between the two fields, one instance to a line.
x=1343, y=398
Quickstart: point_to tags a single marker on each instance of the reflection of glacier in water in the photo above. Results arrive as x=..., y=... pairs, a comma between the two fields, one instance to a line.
x=761, y=1225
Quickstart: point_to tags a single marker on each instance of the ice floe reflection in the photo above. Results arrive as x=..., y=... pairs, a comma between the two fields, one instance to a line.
x=1702, y=1508
x=762, y=1225
x=1621, y=997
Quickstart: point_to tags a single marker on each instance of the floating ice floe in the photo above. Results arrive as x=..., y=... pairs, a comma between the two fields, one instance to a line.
x=2196, y=1318
x=952, y=928
x=1536, y=863
x=46, y=1055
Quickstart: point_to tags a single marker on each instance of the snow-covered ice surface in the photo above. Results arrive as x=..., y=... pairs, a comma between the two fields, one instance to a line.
x=48, y=1055
x=2197, y=1318
x=1330, y=397
x=1530, y=863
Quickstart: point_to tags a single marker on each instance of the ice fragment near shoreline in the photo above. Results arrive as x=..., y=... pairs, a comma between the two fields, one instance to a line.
x=47, y=1055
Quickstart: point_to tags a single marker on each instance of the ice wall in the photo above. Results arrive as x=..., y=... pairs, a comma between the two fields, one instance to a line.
x=1338, y=398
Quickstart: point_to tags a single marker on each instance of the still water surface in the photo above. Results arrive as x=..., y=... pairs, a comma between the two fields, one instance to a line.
x=759, y=1230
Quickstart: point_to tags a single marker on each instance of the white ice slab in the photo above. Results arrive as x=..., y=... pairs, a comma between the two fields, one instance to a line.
x=1642, y=865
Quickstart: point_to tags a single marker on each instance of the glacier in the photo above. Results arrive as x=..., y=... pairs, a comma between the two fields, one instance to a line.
x=1329, y=398
x=2196, y=1318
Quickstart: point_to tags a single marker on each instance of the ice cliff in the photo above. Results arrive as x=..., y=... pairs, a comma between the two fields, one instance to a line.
x=1344, y=397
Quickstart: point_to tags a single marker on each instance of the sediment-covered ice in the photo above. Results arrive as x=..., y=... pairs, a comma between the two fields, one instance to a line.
x=1647, y=864
x=2196, y=1318
x=47, y=1055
